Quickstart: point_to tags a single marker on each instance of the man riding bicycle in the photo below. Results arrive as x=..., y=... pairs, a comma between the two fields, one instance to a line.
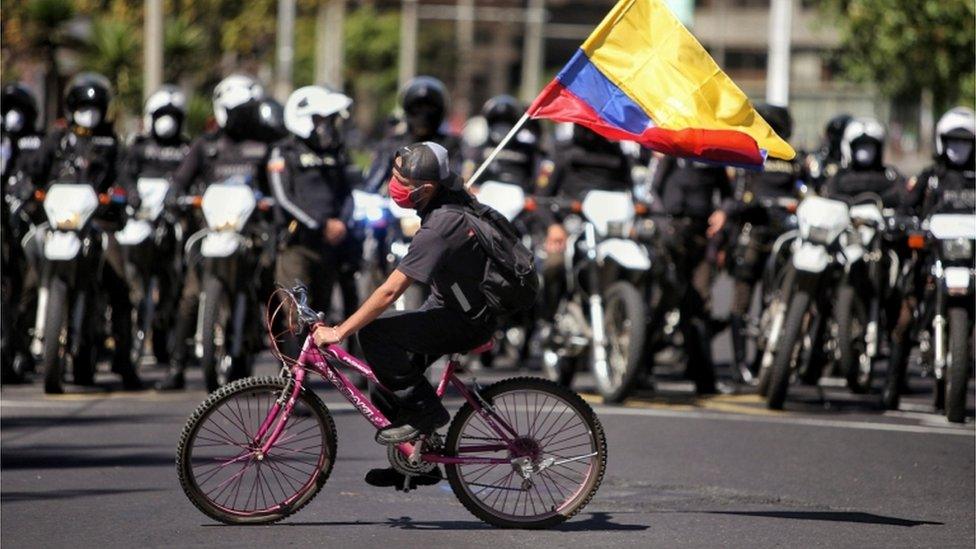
x=455, y=318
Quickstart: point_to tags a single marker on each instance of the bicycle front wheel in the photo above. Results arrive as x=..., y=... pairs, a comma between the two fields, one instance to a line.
x=546, y=474
x=224, y=473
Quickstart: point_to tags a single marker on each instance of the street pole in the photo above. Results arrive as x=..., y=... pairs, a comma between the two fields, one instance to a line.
x=329, y=53
x=532, y=49
x=465, y=43
x=408, y=41
x=284, y=49
x=153, y=50
x=778, y=72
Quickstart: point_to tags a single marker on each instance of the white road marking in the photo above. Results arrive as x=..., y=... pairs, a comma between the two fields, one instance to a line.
x=966, y=431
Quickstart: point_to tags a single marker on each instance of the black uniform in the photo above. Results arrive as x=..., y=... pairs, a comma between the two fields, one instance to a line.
x=212, y=158
x=687, y=191
x=883, y=181
x=311, y=188
x=79, y=155
x=757, y=220
x=149, y=156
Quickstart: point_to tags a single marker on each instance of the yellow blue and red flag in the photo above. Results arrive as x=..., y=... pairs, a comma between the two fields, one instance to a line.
x=641, y=76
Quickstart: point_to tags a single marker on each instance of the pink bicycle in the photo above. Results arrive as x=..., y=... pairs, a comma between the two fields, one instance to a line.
x=521, y=453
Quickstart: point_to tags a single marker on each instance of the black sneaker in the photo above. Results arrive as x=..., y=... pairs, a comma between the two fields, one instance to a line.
x=385, y=478
x=414, y=425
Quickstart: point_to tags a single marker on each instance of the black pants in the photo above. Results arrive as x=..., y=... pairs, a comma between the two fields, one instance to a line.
x=401, y=345
x=688, y=247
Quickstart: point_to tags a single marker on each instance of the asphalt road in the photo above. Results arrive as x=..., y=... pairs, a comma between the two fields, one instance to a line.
x=97, y=470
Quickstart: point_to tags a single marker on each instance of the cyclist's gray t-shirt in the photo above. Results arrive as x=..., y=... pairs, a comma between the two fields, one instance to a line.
x=445, y=255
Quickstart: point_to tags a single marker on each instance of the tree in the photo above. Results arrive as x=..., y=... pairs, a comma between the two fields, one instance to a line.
x=38, y=29
x=909, y=47
x=116, y=52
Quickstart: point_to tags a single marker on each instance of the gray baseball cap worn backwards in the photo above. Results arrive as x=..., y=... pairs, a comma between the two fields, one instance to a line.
x=427, y=161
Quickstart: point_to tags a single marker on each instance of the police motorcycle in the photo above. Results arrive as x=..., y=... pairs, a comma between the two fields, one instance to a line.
x=150, y=242
x=71, y=330
x=771, y=238
x=953, y=271
x=818, y=260
x=601, y=319
x=229, y=248
x=906, y=233
x=871, y=270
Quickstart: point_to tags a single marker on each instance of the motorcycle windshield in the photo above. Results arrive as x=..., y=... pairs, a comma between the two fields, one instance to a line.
x=951, y=226
x=606, y=209
x=506, y=198
x=152, y=193
x=69, y=206
x=227, y=207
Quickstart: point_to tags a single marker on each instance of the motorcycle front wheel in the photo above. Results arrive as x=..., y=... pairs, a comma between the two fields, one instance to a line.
x=787, y=349
x=852, y=322
x=957, y=365
x=624, y=321
x=215, y=333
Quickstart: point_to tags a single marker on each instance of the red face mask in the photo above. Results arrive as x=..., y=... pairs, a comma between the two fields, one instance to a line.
x=400, y=193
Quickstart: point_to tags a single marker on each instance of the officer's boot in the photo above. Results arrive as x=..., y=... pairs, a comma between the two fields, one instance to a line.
x=740, y=369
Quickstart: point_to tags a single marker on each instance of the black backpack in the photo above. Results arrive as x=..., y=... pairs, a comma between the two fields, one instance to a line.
x=510, y=282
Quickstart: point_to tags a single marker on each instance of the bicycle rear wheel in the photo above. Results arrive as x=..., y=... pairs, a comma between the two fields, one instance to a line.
x=224, y=474
x=549, y=472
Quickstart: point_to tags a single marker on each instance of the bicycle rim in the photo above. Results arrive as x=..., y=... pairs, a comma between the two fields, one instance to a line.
x=228, y=475
x=561, y=448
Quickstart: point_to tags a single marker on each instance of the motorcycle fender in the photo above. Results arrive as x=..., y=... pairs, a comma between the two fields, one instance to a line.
x=811, y=258
x=219, y=244
x=61, y=246
x=626, y=253
x=957, y=279
x=134, y=232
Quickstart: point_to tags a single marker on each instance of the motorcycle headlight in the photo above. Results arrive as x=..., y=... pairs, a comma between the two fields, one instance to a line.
x=957, y=248
x=229, y=223
x=68, y=223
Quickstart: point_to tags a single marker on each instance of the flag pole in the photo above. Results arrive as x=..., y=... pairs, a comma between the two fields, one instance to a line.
x=501, y=145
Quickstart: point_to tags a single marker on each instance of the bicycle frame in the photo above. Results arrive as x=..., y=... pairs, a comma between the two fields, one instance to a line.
x=326, y=363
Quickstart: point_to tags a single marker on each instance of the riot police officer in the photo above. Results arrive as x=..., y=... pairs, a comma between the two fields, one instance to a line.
x=518, y=163
x=755, y=209
x=424, y=102
x=160, y=150
x=21, y=142
x=157, y=153
x=862, y=165
x=230, y=151
x=687, y=191
x=307, y=173
x=946, y=186
x=88, y=151
x=824, y=164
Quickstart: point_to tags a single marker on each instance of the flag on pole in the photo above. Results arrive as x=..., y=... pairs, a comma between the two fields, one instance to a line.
x=641, y=76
